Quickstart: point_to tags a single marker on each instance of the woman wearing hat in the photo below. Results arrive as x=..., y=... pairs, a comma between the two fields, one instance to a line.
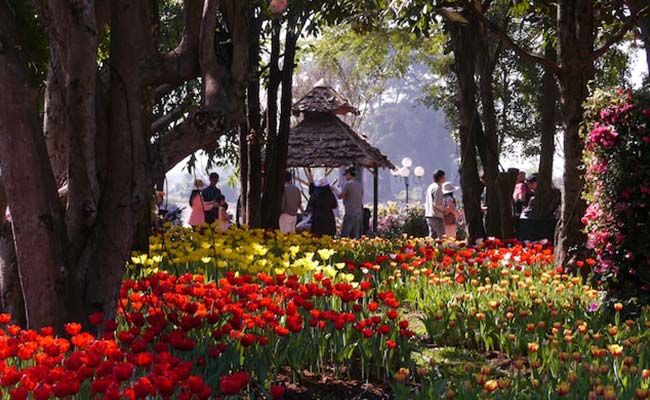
x=199, y=207
x=322, y=204
x=451, y=214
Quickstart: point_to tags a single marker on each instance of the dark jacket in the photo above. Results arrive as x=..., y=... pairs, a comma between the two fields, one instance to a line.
x=322, y=204
x=209, y=195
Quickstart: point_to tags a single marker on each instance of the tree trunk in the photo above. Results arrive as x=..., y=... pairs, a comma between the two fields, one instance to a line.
x=243, y=175
x=38, y=221
x=11, y=295
x=546, y=198
x=54, y=123
x=490, y=136
x=505, y=186
x=253, y=175
x=275, y=78
x=463, y=45
x=575, y=31
x=274, y=178
x=101, y=266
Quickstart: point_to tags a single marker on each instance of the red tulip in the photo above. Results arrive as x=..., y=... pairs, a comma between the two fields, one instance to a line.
x=277, y=391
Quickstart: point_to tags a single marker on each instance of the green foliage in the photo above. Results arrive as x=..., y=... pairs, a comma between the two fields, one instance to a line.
x=171, y=23
x=32, y=37
x=364, y=65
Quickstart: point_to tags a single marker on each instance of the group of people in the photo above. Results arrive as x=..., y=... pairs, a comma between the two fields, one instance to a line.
x=208, y=204
x=440, y=208
x=318, y=217
x=523, y=196
x=441, y=211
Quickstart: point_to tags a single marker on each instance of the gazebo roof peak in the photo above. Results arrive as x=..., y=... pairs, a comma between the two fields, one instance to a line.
x=323, y=99
x=324, y=140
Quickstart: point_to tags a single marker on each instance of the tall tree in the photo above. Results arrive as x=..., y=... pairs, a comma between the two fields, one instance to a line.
x=576, y=26
x=99, y=104
x=290, y=22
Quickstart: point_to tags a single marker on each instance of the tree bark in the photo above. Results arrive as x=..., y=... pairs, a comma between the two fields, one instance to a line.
x=213, y=72
x=200, y=130
x=253, y=148
x=254, y=212
x=546, y=198
x=38, y=221
x=73, y=40
x=11, y=295
x=101, y=265
x=275, y=78
x=54, y=123
x=505, y=186
x=274, y=178
x=109, y=160
x=463, y=45
x=575, y=31
x=487, y=64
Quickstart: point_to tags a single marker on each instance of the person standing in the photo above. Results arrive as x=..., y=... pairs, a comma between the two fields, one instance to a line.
x=451, y=214
x=529, y=199
x=352, y=195
x=210, y=196
x=223, y=222
x=199, y=205
x=434, y=210
x=520, y=192
x=291, y=203
x=322, y=204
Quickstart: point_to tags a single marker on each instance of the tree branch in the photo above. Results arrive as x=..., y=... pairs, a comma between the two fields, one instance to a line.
x=618, y=36
x=507, y=40
x=164, y=121
x=200, y=130
x=162, y=91
x=181, y=63
x=214, y=73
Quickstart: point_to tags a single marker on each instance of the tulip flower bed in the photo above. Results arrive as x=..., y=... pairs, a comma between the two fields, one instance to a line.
x=210, y=315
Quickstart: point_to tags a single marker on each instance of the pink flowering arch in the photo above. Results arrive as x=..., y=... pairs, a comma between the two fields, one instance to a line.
x=617, y=158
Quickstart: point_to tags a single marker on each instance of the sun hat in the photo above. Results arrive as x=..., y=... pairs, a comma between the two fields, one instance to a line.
x=199, y=185
x=322, y=182
x=448, y=187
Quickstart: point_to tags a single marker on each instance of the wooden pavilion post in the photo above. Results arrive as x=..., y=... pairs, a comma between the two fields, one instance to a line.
x=375, y=199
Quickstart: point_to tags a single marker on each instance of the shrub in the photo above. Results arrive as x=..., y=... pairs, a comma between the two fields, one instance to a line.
x=395, y=220
x=617, y=158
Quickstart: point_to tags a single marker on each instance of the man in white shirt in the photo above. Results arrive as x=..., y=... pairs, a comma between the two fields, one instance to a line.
x=433, y=206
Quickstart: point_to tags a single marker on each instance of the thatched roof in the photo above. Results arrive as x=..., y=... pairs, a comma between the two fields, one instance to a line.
x=323, y=140
x=324, y=99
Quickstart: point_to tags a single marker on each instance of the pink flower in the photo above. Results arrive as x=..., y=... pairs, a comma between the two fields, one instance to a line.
x=603, y=136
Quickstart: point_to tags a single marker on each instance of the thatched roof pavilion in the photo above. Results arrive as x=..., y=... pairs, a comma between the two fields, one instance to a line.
x=324, y=99
x=322, y=139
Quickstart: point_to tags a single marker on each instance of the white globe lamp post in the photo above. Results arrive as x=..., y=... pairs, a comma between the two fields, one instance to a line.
x=405, y=172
